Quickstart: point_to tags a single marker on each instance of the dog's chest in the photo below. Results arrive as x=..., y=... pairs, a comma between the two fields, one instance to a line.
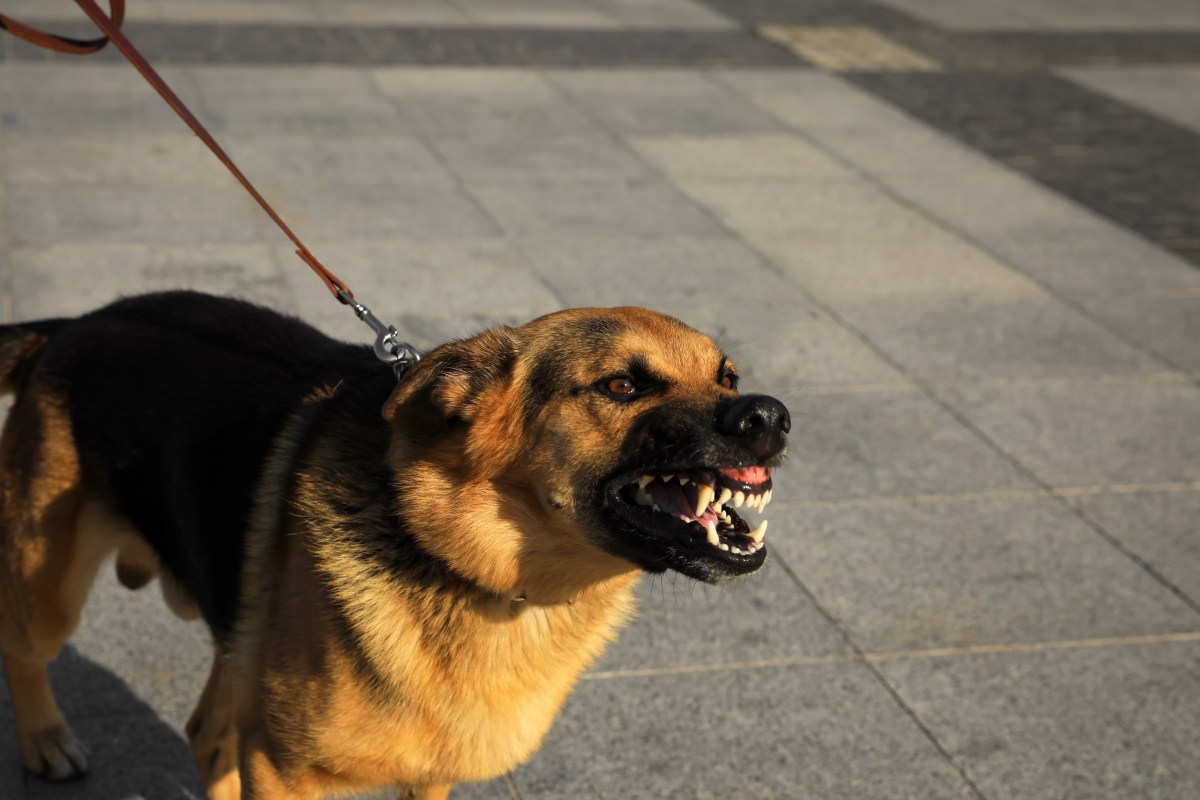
x=484, y=711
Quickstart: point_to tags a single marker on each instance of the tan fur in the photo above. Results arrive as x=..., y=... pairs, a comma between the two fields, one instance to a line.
x=343, y=676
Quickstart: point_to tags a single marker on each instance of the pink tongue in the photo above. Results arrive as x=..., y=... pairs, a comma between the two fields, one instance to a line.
x=751, y=475
x=673, y=499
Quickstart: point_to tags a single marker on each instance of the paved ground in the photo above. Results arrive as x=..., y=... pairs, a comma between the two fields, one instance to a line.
x=961, y=239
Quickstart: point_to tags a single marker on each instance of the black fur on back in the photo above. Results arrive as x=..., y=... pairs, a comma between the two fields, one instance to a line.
x=176, y=399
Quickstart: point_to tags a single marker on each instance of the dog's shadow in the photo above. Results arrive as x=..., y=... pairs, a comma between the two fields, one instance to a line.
x=132, y=752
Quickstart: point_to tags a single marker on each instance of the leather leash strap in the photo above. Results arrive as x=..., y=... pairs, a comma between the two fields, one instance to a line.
x=111, y=27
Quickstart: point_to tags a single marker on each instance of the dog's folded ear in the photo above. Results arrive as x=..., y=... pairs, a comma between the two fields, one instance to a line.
x=448, y=383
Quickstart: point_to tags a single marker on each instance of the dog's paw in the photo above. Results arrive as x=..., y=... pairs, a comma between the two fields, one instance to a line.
x=54, y=754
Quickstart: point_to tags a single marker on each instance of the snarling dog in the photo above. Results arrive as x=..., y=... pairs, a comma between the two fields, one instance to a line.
x=403, y=582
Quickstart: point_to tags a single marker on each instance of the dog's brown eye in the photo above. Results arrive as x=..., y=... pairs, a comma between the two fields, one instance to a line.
x=620, y=386
x=729, y=380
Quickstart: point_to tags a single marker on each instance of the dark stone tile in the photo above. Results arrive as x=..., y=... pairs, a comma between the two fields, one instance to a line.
x=1119, y=161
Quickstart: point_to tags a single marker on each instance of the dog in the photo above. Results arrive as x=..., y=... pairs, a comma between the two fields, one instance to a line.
x=403, y=581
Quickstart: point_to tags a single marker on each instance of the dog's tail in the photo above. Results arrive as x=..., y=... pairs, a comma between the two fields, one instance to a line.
x=20, y=345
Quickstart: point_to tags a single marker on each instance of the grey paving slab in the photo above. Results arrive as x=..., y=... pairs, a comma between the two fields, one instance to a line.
x=994, y=203
x=537, y=13
x=945, y=310
x=644, y=207
x=782, y=343
x=1077, y=15
x=1113, y=263
x=815, y=208
x=232, y=12
x=684, y=624
x=761, y=156
x=1168, y=91
x=294, y=165
x=1160, y=527
x=389, y=12
x=664, y=14
x=55, y=98
x=74, y=279
x=661, y=102
x=961, y=571
x=1147, y=435
x=885, y=443
x=433, y=291
x=812, y=101
x=732, y=735
x=1089, y=724
x=342, y=212
x=583, y=156
x=128, y=159
x=1167, y=325
x=490, y=103
x=50, y=215
x=319, y=101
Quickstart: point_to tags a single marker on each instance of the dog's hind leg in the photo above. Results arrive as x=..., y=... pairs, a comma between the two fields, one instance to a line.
x=213, y=734
x=49, y=554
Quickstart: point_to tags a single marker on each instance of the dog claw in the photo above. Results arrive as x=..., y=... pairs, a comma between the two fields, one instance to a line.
x=57, y=755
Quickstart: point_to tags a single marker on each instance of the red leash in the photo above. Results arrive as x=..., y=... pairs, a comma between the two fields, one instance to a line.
x=387, y=347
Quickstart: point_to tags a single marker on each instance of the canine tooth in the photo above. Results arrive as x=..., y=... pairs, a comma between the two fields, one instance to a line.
x=739, y=500
x=644, y=481
x=712, y=537
x=643, y=497
x=758, y=533
x=724, y=547
x=704, y=496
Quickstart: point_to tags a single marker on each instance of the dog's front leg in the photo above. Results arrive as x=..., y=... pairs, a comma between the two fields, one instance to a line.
x=213, y=735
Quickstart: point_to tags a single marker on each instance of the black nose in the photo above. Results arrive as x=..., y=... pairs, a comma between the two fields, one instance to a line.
x=758, y=420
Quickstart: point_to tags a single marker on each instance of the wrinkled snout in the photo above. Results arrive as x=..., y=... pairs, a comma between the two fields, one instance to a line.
x=759, y=423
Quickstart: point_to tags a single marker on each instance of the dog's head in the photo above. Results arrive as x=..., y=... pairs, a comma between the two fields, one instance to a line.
x=582, y=443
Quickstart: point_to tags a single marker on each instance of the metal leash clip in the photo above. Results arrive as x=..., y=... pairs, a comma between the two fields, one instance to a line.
x=388, y=347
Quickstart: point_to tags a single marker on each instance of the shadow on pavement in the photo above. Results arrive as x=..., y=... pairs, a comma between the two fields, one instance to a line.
x=133, y=753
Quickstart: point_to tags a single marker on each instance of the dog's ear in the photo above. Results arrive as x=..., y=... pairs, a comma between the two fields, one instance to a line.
x=449, y=382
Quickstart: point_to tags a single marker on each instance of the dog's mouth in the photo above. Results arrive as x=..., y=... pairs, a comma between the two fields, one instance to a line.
x=689, y=520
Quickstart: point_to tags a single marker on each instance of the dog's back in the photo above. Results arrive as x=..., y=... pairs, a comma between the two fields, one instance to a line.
x=178, y=426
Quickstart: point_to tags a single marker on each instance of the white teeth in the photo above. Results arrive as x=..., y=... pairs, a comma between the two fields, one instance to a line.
x=758, y=533
x=684, y=481
x=724, y=547
x=643, y=497
x=739, y=500
x=712, y=537
x=704, y=497
x=644, y=481
x=667, y=478
x=767, y=497
x=725, y=495
x=655, y=507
